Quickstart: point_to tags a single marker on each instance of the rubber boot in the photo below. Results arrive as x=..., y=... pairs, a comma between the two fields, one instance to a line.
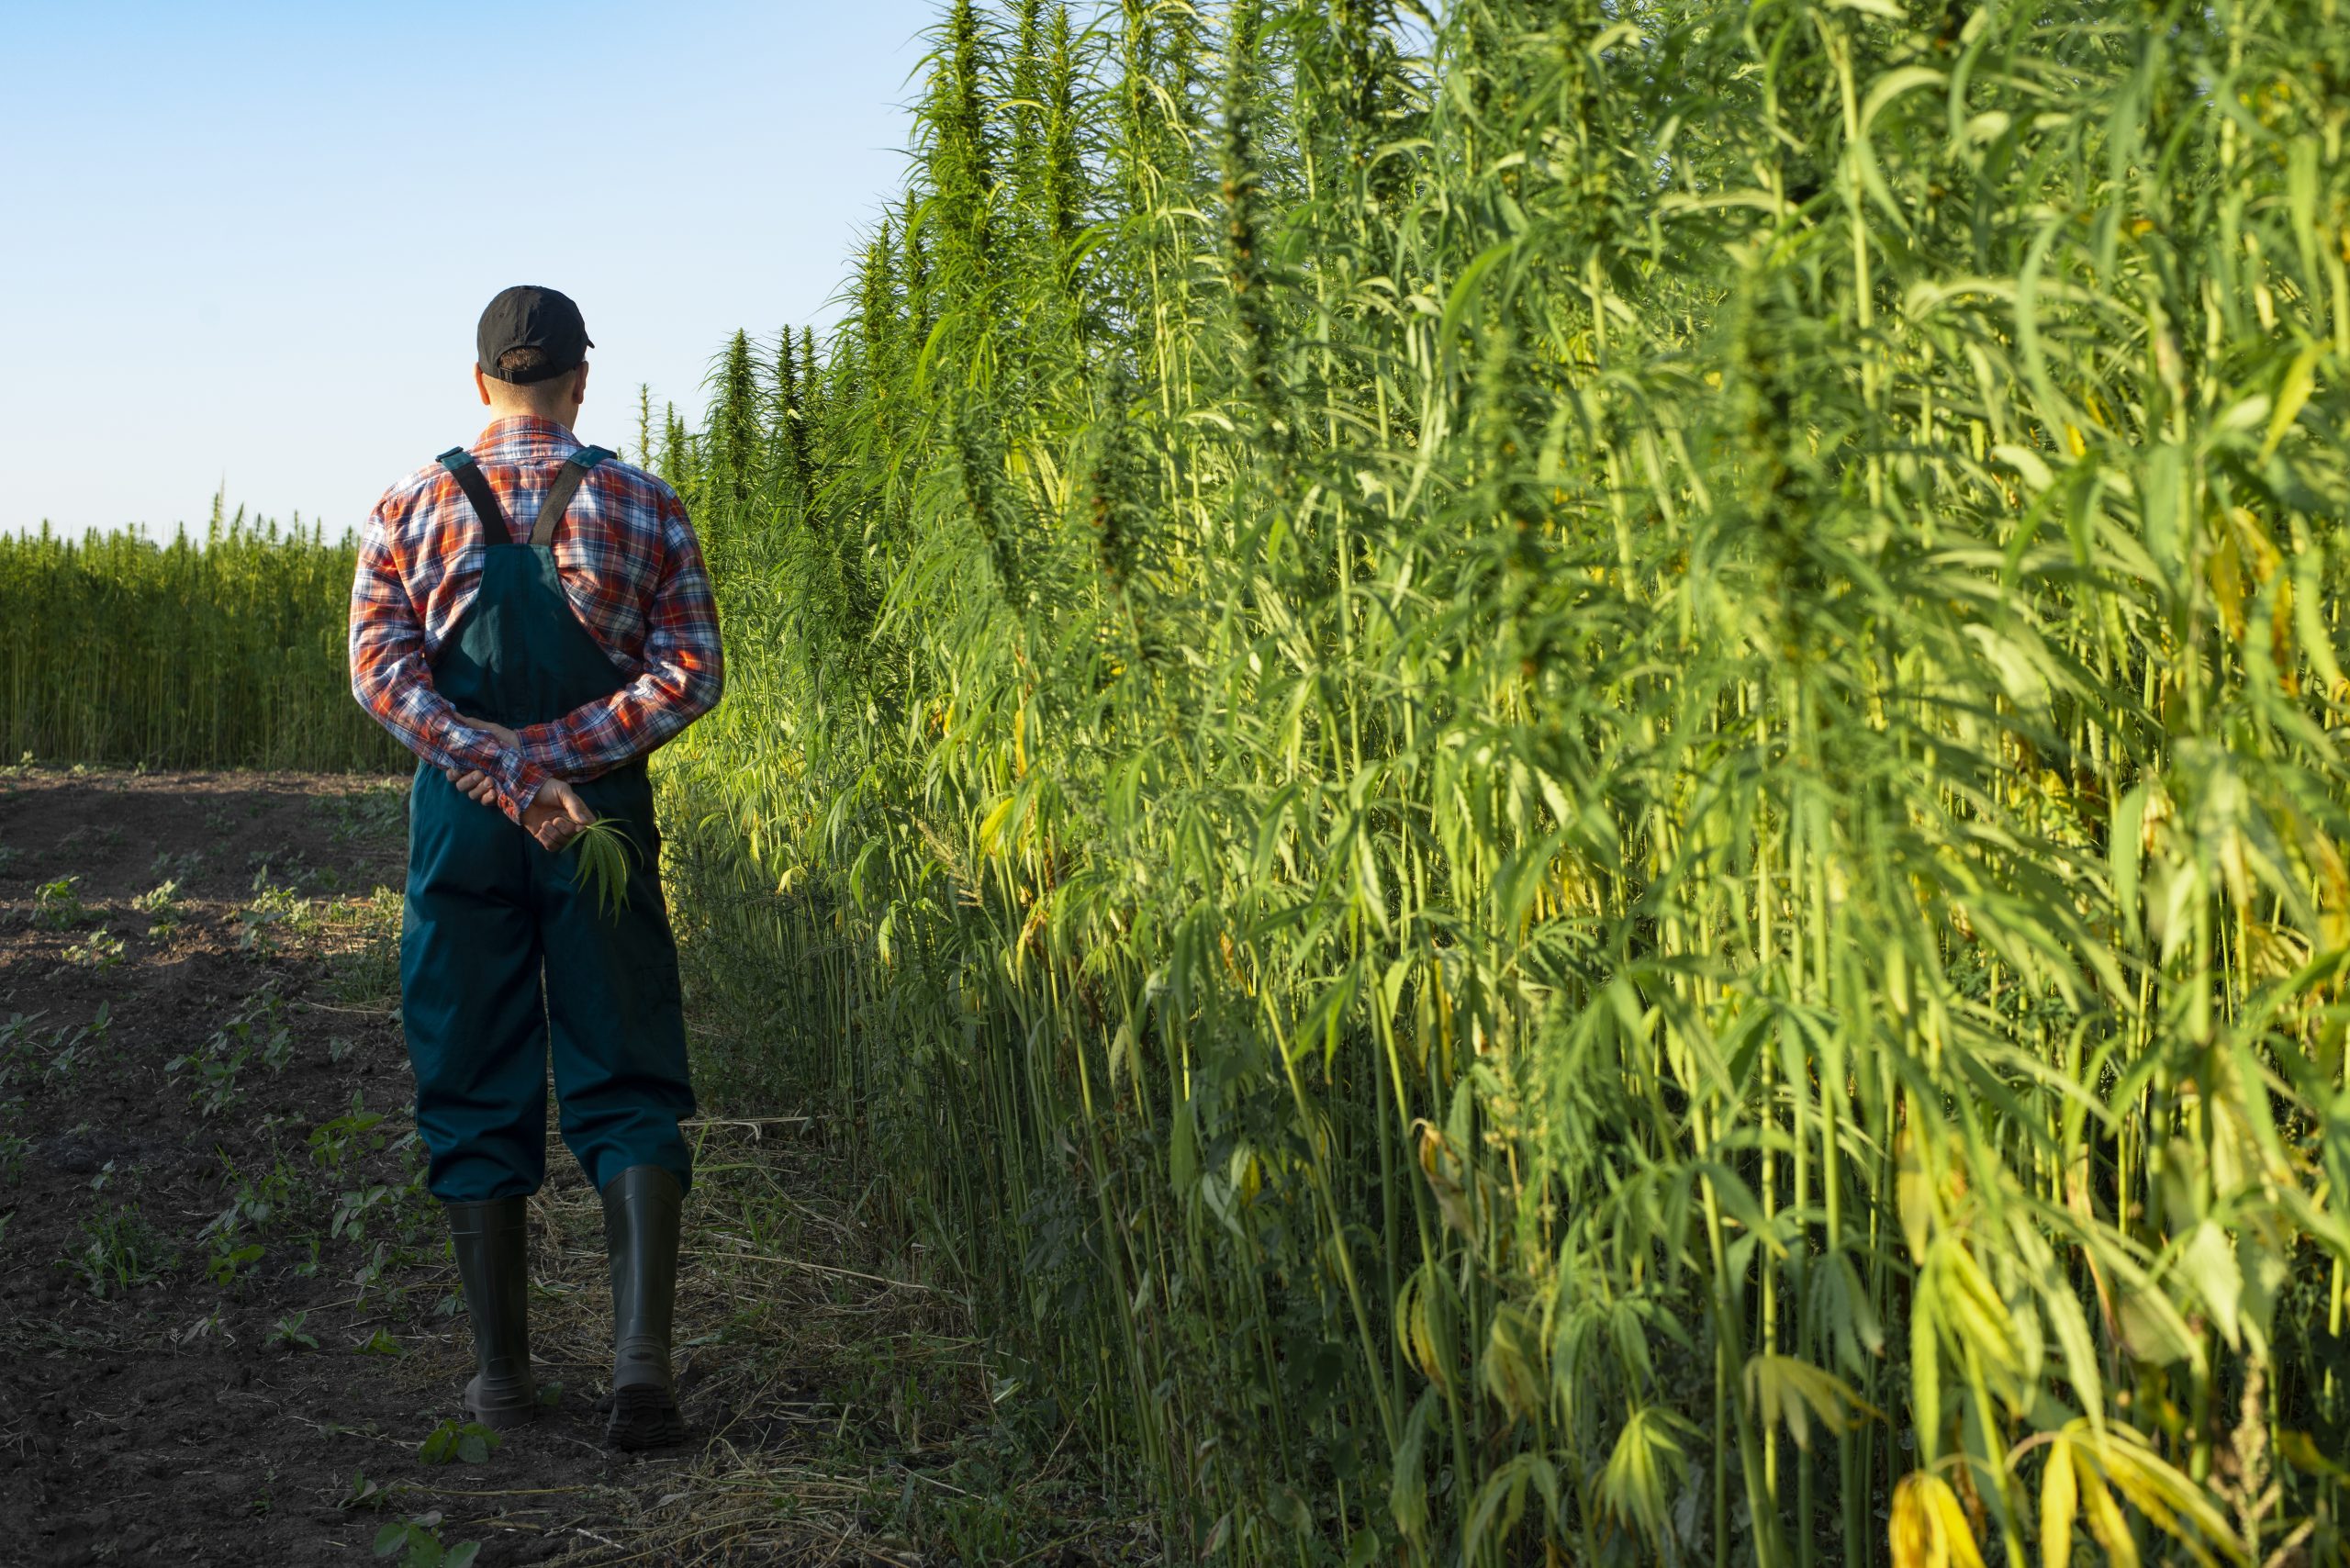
x=492, y=1263
x=640, y=1213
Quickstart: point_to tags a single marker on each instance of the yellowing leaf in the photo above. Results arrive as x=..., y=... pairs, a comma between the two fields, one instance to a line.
x=1958, y=1536
x=1911, y=1530
x=1913, y=1193
x=1512, y=1363
x=1928, y=1530
x=2300, y=378
x=992, y=826
x=2304, y=1454
x=2105, y=1521
x=2059, y=1504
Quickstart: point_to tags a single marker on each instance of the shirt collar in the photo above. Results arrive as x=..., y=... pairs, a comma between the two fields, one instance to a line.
x=525, y=435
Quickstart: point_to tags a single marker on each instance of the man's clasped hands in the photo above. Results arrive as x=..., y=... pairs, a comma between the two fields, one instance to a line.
x=555, y=813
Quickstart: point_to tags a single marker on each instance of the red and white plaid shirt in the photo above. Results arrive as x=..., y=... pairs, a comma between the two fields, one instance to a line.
x=629, y=563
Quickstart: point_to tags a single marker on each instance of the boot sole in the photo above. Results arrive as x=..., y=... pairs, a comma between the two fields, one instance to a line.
x=644, y=1417
x=509, y=1408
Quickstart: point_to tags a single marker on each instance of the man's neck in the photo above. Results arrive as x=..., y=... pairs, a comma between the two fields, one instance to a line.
x=499, y=411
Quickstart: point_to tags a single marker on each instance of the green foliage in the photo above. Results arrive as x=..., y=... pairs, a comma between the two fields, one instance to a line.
x=455, y=1440
x=602, y=857
x=227, y=651
x=417, y=1542
x=228, y=1260
x=161, y=902
x=53, y=1056
x=1577, y=777
x=56, y=905
x=273, y=907
x=212, y=1069
x=120, y=1252
x=288, y=1333
x=102, y=950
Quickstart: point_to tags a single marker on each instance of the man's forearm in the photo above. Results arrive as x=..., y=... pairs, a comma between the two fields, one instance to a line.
x=636, y=720
x=404, y=701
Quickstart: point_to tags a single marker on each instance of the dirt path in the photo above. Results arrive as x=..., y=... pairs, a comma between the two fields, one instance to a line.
x=228, y=1331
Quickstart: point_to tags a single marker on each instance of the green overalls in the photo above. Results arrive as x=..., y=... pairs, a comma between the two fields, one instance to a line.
x=501, y=951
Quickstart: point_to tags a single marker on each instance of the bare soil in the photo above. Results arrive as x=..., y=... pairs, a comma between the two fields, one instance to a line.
x=229, y=1327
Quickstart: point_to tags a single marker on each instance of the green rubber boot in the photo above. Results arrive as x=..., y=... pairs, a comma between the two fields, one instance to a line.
x=492, y=1263
x=640, y=1222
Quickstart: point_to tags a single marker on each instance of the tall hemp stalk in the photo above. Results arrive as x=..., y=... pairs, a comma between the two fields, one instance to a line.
x=1563, y=783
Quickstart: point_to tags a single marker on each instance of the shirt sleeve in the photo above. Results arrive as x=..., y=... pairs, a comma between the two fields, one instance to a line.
x=683, y=673
x=391, y=680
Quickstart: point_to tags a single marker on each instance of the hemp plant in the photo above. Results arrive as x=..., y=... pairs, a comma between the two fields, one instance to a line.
x=603, y=854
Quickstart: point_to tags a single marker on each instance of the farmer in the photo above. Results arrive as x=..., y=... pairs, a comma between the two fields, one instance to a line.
x=532, y=618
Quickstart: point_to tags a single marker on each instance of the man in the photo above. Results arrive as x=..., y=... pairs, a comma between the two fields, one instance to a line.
x=532, y=618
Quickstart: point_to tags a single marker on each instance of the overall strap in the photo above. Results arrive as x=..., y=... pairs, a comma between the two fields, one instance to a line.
x=470, y=478
x=567, y=485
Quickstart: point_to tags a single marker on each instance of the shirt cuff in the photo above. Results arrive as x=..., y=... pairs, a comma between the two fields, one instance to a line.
x=520, y=782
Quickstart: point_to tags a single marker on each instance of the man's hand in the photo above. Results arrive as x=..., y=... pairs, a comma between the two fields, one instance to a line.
x=556, y=815
x=473, y=783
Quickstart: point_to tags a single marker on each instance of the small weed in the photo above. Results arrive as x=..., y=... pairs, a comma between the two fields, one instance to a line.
x=87, y=833
x=368, y=969
x=383, y=1261
x=58, y=1052
x=255, y=1203
x=217, y=1062
x=228, y=1260
x=380, y=1343
x=161, y=902
x=216, y=1075
x=468, y=1442
x=7, y=859
x=420, y=1539
x=122, y=1253
x=13, y=1146
x=102, y=951
x=56, y=905
x=272, y=908
x=176, y=868
x=202, y=1328
x=374, y=814
x=338, y=1048
x=332, y=1143
x=352, y=1212
x=287, y=1333
x=367, y=1493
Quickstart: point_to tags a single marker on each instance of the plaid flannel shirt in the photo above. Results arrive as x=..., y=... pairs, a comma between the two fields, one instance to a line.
x=630, y=566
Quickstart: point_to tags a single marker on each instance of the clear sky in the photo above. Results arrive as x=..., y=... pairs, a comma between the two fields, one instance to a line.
x=246, y=244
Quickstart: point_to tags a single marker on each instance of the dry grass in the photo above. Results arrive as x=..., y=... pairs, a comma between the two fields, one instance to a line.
x=835, y=1390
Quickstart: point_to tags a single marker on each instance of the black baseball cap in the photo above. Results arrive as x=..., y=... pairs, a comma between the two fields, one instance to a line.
x=528, y=317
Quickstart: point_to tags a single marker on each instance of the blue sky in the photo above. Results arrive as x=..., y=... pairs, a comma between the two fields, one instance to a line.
x=247, y=243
